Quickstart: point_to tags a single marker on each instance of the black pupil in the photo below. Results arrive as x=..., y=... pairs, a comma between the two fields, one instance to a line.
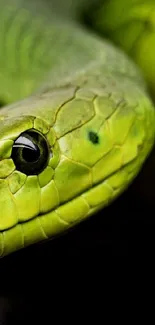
x=31, y=154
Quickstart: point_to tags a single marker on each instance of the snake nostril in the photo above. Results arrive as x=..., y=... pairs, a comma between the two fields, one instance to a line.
x=93, y=137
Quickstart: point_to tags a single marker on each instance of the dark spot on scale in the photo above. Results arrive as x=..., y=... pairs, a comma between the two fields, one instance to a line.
x=93, y=137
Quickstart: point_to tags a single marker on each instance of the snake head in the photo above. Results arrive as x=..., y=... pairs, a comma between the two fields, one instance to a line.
x=66, y=154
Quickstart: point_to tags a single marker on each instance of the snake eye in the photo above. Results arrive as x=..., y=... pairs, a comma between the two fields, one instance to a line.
x=30, y=152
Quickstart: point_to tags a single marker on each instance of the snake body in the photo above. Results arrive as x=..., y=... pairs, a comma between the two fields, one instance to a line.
x=76, y=126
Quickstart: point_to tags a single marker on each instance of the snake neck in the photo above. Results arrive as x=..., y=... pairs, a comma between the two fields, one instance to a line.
x=40, y=48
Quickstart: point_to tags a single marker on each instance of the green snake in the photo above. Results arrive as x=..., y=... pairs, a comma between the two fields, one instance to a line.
x=77, y=120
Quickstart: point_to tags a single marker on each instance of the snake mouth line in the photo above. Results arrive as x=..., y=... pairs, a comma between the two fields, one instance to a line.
x=88, y=190
x=93, y=207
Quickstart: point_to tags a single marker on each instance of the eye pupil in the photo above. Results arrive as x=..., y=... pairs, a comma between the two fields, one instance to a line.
x=30, y=152
x=31, y=155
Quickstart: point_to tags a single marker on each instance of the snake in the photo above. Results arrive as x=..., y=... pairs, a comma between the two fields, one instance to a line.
x=77, y=119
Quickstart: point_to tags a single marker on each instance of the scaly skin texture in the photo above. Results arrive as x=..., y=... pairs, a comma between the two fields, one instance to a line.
x=131, y=25
x=88, y=100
